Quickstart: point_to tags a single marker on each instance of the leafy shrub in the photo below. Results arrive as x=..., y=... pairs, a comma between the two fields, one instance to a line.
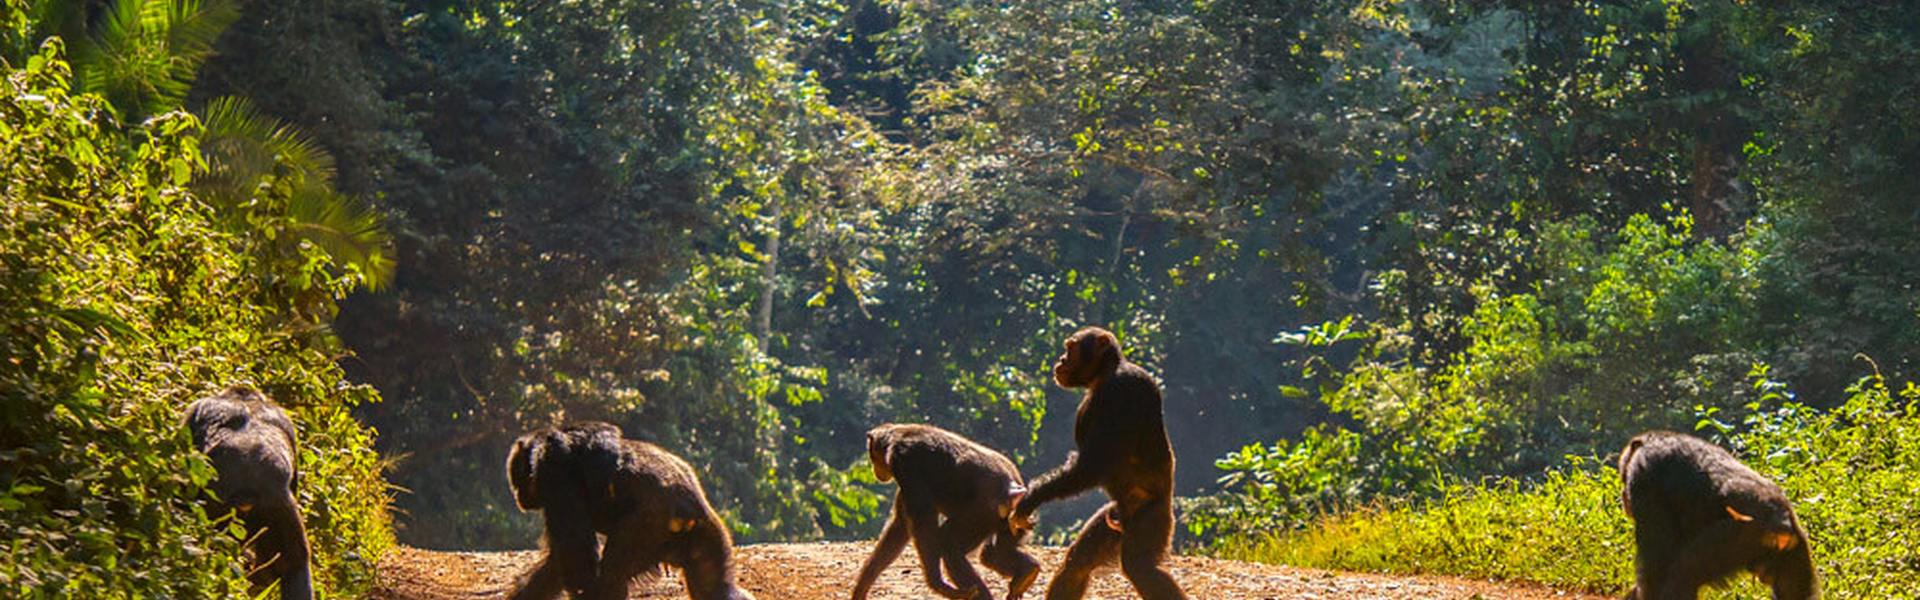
x=1623, y=331
x=122, y=298
x=1851, y=471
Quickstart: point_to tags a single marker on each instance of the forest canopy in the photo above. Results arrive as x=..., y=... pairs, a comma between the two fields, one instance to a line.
x=1392, y=260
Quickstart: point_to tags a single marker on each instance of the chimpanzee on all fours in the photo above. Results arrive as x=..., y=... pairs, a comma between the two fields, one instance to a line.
x=252, y=446
x=1699, y=517
x=972, y=486
x=586, y=480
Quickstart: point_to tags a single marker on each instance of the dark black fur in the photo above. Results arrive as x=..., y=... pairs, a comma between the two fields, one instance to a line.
x=974, y=487
x=253, y=448
x=586, y=480
x=1699, y=517
x=1122, y=448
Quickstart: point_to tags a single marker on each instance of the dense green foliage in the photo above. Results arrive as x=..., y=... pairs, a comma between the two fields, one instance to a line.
x=1855, y=470
x=1566, y=530
x=1680, y=208
x=1402, y=257
x=1619, y=335
x=697, y=220
x=751, y=229
x=125, y=297
x=143, y=57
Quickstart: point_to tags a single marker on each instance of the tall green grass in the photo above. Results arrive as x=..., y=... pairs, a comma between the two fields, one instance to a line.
x=1567, y=531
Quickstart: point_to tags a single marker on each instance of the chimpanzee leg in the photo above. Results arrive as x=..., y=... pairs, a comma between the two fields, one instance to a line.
x=928, y=543
x=1712, y=554
x=1147, y=534
x=1097, y=545
x=960, y=535
x=636, y=545
x=705, y=556
x=1003, y=555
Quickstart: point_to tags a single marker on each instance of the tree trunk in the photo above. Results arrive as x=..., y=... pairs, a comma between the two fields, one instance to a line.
x=763, y=319
x=1715, y=196
x=1113, y=266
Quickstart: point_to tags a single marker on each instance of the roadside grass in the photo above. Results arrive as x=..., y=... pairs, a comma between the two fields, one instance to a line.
x=1567, y=532
x=1854, y=473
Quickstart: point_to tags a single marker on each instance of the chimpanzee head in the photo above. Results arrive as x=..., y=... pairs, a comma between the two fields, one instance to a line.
x=1091, y=353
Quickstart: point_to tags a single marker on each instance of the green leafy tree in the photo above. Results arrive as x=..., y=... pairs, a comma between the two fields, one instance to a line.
x=1604, y=214
x=125, y=297
x=144, y=56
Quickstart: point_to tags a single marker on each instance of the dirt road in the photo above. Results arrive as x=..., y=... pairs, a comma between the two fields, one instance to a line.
x=826, y=571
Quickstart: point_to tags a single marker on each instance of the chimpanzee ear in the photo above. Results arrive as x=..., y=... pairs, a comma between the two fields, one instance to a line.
x=881, y=458
x=1626, y=454
x=1105, y=352
x=527, y=452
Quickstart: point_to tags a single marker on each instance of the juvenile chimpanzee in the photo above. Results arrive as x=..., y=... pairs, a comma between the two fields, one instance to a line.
x=974, y=487
x=252, y=446
x=1699, y=516
x=586, y=480
x=1123, y=448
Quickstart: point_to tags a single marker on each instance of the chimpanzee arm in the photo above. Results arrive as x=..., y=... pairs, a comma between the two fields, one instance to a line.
x=1792, y=573
x=923, y=520
x=1080, y=473
x=571, y=546
x=1104, y=441
x=893, y=539
x=286, y=538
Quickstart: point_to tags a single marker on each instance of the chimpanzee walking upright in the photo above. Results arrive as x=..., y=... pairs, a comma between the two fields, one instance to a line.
x=1122, y=447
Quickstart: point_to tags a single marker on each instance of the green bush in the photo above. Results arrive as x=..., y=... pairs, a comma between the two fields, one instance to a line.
x=122, y=298
x=1854, y=474
x=1624, y=331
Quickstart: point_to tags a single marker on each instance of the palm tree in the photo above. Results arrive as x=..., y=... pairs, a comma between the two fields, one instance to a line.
x=144, y=55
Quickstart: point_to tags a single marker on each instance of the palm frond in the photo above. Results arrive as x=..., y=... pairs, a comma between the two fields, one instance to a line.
x=145, y=55
x=243, y=145
x=192, y=27
x=351, y=231
x=246, y=148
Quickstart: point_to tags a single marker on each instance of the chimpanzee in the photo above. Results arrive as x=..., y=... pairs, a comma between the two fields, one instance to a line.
x=1699, y=516
x=1123, y=448
x=586, y=480
x=974, y=487
x=252, y=446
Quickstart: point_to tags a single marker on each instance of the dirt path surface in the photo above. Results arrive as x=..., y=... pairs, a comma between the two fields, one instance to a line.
x=826, y=571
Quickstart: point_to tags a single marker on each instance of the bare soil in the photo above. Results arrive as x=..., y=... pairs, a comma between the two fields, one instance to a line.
x=825, y=571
